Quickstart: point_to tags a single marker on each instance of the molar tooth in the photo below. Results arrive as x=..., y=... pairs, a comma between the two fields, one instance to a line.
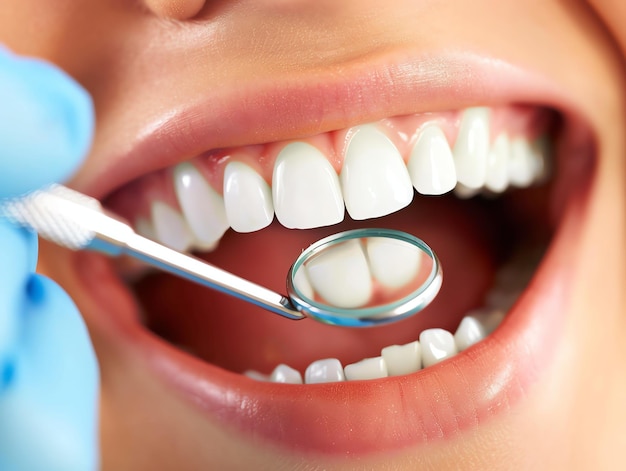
x=521, y=166
x=328, y=370
x=431, y=165
x=341, y=276
x=471, y=147
x=247, y=198
x=469, y=332
x=497, y=164
x=202, y=206
x=285, y=374
x=369, y=368
x=394, y=263
x=144, y=227
x=437, y=345
x=374, y=178
x=402, y=359
x=305, y=188
x=490, y=319
x=170, y=227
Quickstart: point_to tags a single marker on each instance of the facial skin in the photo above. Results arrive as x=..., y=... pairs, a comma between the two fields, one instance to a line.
x=144, y=61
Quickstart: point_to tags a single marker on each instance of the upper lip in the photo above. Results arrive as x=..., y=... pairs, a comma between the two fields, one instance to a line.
x=298, y=106
x=496, y=372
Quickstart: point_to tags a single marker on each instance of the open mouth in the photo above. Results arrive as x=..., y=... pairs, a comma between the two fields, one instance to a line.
x=489, y=188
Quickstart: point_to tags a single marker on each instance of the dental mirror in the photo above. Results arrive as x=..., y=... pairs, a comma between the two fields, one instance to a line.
x=364, y=277
x=357, y=278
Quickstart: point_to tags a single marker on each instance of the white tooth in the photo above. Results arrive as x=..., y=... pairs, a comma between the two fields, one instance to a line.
x=402, y=359
x=202, y=206
x=541, y=151
x=465, y=192
x=490, y=319
x=145, y=228
x=247, y=198
x=471, y=147
x=302, y=283
x=324, y=371
x=170, y=227
x=394, y=263
x=305, y=188
x=437, y=345
x=257, y=376
x=431, y=165
x=521, y=163
x=370, y=368
x=497, y=164
x=374, y=178
x=341, y=275
x=286, y=374
x=469, y=332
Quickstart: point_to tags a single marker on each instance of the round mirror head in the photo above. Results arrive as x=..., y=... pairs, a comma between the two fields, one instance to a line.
x=364, y=277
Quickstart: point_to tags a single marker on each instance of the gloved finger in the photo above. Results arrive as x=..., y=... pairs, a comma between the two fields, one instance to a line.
x=46, y=124
x=53, y=399
x=19, y=257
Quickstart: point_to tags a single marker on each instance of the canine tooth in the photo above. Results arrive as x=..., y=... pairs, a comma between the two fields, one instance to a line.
x=393, y=263
x=341, y=276
x=437, y=345
x=247, y=198
x=202, y=206
x=286, y=374
x=431, y=165
x=402, y=359
x=328, y=370
x=255, y=375
x=469, y=332
x=471, y=147
x=497, y=164
x=170, y=227
x=521, y=167
x=465, y=192
x=305, y=188
x=369, y=368
x=374, y=178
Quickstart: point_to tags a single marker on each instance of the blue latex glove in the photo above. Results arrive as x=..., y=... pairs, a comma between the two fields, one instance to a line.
x=48, y=369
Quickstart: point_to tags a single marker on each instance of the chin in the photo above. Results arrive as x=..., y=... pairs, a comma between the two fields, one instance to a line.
x=510, y=168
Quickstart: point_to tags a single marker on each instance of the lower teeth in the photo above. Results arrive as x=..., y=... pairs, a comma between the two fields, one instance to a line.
x=433, y=346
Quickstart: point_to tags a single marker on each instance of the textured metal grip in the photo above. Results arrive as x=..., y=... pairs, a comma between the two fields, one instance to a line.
x=57, y=213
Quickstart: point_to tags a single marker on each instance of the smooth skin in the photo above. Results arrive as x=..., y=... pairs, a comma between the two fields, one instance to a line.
x=132, y=56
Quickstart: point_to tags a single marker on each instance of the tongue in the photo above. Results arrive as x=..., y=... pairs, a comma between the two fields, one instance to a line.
x=238, y=336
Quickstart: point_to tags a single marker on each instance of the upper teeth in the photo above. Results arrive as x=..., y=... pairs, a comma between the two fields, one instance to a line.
x=306, y=190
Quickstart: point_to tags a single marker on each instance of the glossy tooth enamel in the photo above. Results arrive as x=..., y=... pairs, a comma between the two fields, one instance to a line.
x=369, y=368
x=472, y=147
x=247, y=198
x=374, y=178
x=201, y=205
x=521, y=163
x=402, y=359
x=497, y=164
x=285, y=374
x=341, y=277
x=170, y=227
x=437, y=345
x=305, y=188
x=469, y=332
x=328, y=370
x=431, y=165
x=392, y=262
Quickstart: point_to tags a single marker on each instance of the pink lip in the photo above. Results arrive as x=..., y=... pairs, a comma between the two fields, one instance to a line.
x=354, y=417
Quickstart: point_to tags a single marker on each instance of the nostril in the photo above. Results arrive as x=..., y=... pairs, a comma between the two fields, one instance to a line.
x=175, y=9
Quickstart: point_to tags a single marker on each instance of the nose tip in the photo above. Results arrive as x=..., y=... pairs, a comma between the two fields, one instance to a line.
x=175, y=9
